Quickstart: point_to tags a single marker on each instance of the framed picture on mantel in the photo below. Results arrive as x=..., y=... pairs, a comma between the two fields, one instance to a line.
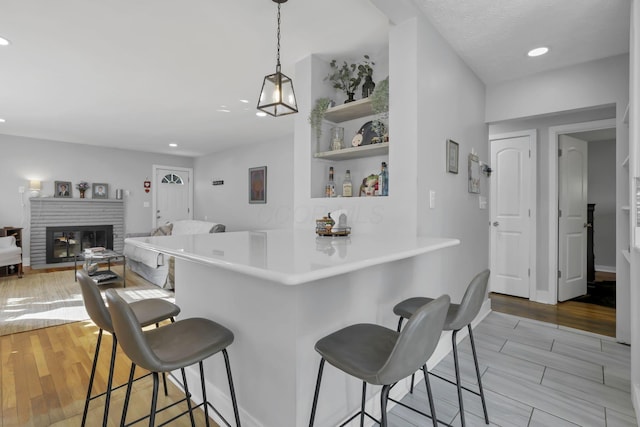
x=62, y=189
x=100, y=191
x=258, y=185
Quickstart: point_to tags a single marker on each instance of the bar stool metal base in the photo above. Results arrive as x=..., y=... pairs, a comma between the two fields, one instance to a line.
x=110, y=387
x=458, y=382
x=384, y=398
x=205, y=403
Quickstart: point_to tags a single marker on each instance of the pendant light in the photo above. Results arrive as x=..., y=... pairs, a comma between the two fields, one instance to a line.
x=277, y=97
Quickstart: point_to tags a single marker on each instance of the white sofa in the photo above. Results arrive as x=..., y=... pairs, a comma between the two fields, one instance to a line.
x=155, y=267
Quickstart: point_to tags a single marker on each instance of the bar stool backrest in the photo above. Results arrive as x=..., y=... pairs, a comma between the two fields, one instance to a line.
x=471, y=302
x=93, y=302
x=130, y=334
x=416, y=342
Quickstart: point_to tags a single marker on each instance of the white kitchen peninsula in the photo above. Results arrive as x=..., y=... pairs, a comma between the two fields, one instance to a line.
x=279, y=291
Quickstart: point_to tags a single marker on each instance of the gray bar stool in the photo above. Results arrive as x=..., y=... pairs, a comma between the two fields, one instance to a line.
x=171, y=347
x=148, y=312
x=382, y=356
x=458, y=316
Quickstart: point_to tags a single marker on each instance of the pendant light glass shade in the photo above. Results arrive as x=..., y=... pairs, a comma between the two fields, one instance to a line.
x=277, y=97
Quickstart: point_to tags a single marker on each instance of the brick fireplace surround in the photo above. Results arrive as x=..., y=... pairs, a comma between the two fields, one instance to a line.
x=60, y=212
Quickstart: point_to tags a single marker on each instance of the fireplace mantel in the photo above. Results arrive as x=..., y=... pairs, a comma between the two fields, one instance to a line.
x=58, y=211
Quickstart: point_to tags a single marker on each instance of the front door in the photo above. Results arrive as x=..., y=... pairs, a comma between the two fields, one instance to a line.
x=572, y=221
x=510, y=216
x=173, y=195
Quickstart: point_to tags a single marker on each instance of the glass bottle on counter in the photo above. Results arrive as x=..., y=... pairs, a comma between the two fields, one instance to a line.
x=383, y=180
x=330, y=187
x=347, y=185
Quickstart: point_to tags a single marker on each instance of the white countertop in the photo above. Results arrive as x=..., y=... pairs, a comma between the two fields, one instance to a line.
x=292, y=257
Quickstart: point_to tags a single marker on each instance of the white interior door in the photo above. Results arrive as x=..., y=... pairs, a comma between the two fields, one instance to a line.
x=510, y=216
x=173, y=195
x=572, y=221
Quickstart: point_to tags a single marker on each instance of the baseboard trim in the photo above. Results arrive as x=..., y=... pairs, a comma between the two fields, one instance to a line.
x=543, y=297
x=605, y=268
x=215, y=395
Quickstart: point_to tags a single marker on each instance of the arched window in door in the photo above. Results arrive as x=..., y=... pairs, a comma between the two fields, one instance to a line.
x=171, y=178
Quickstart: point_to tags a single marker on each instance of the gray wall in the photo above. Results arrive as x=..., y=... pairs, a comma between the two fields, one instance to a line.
x=602, y=192
x=27, y=158
x=229, y=203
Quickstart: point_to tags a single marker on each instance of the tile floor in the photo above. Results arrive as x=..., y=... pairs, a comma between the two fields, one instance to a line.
x=534, y=374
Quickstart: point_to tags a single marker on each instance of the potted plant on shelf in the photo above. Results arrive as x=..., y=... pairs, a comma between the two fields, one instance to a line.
x=365, y=70
x=345, y=77
x=380, y=107
x=317, y=116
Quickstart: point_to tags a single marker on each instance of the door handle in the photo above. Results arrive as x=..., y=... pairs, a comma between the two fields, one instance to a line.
x=496, y=223
x=157, y=216
x=587, y=225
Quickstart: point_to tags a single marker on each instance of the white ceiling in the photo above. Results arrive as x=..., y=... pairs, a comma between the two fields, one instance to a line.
x=139, y=75
x=494, y=36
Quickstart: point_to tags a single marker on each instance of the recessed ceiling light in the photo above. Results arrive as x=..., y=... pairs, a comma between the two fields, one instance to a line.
x=4, y=42
x=173, y=144
x=2, y=120
x=261, y=114
x=538, y=51
x=244, y=101
x=223, y=110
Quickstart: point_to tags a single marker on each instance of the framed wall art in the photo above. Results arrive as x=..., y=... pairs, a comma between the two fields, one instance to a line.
x=62, y=189
x=452, y=156
x=258, y=185
x=474, y=174
x=100, y=191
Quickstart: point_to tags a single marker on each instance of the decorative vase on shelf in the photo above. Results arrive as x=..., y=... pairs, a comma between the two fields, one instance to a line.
x=368, y=86
x=82, y=194
x=350, y=97
x=337, y=138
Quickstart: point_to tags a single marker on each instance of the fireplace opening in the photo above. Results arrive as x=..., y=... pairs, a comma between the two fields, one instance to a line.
x=64, y=243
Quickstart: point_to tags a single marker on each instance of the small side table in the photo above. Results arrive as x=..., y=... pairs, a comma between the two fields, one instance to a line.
x=104, y=276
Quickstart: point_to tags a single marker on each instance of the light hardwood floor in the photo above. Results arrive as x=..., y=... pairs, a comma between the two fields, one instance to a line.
x=44, y=375
x=578, y=315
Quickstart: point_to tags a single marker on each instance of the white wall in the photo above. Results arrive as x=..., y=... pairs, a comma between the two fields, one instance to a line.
x=450, y=105
x=601, y=191
x=49, y=161
x=581, y=86
x=229, y=203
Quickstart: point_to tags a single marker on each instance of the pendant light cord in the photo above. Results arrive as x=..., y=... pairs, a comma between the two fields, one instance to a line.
x=278, y=34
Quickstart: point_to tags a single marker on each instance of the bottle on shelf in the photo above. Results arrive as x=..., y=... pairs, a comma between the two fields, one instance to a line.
x=347, y=185
x=383, y=180
x=330, y=187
